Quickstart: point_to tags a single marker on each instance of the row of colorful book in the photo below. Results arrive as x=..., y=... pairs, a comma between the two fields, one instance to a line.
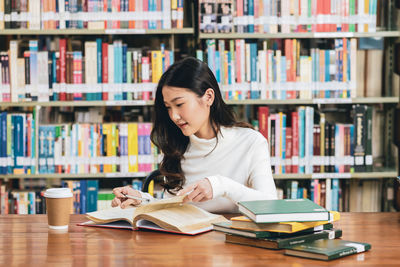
x=97, y=148
x=17, y=143
x=86, y=197
x=299, y=226
x=102, y=71
x=303, y=141
x=285, y=16
x=76, y=149
x=91, y=14
x=246, y=72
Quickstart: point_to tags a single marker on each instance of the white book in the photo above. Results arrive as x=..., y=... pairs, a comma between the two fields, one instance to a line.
x=43, y=76
x=309, y=138
x=13, y=70
x=166, y=14
x=35, y=17
x=61, y=11
x=328, y=194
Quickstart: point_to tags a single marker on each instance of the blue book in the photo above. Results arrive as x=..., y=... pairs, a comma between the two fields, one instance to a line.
x=283, y=76
x=51, y=136
x=3, y=142
x=283, y=141
x=335, y=194
x=199, y=55
x=83, y=196
x=327, y=72
x=98, y=95
x=124, y=69
x=17, y=121
x=211, y=55
x=253, y=66
x=91, y=195
x=218, y=66
x=54, y=74
x=250, y=27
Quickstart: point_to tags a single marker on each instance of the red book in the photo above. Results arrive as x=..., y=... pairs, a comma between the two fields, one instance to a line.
x=104, y=52
x=263, y=113
x=131, y=9
x=295, y=142
x=63, y=67
x=289, y=150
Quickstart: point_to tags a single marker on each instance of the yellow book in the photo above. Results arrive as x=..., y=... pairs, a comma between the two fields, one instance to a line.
x=133, y=147
x=156, y=65
x=167, y=215
x=244, y=223
x=114, y=145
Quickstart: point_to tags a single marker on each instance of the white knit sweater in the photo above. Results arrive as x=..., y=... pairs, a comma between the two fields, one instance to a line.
x=238, y=168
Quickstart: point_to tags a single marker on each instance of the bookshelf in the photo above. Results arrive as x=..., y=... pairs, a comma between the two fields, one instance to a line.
x=309, y=35
x=386, y=102
x=359, y=100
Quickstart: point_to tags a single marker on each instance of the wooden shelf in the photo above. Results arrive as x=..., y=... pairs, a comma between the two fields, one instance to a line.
x=365, y=100
x=299, y=35
x=74, y=176
x=93, y=32
x=358, y=175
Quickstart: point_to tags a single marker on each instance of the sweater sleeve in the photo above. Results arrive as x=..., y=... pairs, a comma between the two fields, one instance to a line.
x=260, y=183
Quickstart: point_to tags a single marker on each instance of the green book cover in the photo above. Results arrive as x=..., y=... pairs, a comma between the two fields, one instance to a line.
x=283, y=242
x=225, y=227
x=327, y=249
x=283, y=210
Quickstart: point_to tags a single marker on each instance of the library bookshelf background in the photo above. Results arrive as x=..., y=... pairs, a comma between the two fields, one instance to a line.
x=320, y=83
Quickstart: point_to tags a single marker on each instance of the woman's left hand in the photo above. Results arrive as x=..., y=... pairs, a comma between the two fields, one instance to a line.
x=197, y=192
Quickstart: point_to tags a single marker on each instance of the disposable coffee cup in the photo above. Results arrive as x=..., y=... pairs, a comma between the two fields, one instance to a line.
x=58, y=205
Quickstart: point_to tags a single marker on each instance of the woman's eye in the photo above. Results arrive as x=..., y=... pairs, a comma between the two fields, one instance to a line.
x=168, y=107
x=178, y=105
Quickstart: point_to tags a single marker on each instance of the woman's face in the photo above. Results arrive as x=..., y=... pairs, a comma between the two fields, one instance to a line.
x=189, y=111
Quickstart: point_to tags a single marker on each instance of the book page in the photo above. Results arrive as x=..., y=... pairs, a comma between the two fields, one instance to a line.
x=110, y=215
x=159, y=204
x=182, y=218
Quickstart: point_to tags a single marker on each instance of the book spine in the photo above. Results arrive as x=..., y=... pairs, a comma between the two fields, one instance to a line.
x=325, y=234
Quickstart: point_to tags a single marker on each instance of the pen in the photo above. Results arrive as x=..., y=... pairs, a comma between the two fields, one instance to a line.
x=137, y=198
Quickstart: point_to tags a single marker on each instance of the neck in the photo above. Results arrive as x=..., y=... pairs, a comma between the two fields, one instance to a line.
x=206, y=132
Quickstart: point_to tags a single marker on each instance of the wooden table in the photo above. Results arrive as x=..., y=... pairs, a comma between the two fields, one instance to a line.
x=26, y=240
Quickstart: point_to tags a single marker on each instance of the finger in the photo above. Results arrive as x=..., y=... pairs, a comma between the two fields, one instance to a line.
x=115, y=202
x=194, y=194
x=198, y=198
x=118, y=192
x=186, y=190
x=130, y=202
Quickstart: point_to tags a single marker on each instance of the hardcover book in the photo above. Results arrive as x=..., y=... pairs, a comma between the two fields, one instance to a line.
x=167, y=215
x=226, y=227
x=327, y=249
x=283, y=242
x=283, y=210
x=244, y=223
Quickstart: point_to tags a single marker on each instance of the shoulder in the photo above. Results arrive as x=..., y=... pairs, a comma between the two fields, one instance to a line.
x=243, y=134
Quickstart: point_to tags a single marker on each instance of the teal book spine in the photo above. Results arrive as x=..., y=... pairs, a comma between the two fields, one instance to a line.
x=91, y=195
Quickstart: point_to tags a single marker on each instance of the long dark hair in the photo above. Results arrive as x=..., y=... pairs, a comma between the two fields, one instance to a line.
x=194, y=75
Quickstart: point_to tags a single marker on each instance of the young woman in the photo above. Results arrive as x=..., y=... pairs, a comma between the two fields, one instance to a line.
x=207, y=154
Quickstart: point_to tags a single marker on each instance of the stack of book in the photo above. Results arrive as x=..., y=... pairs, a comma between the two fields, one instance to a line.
x=300, y=226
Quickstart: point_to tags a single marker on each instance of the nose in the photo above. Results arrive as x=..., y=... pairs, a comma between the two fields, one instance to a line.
x=174, y=115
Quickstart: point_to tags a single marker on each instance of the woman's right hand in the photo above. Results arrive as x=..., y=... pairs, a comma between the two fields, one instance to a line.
x=121, y=200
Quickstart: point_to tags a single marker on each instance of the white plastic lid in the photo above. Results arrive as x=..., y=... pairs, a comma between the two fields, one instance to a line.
x=58, y=193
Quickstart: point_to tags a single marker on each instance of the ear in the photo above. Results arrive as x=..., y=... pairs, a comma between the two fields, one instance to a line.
x=209, y=97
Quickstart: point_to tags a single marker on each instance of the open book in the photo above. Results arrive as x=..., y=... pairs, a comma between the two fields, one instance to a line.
x=169, y=215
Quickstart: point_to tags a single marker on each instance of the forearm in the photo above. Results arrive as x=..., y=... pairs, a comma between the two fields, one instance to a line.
x=226, y=187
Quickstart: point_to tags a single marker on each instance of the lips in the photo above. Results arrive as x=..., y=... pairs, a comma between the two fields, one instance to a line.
x=181, y=125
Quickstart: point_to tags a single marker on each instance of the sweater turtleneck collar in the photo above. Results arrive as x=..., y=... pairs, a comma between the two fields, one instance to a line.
x=209, y=144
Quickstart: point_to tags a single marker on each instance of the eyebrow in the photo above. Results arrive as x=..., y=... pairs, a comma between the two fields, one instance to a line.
x=173, y=100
